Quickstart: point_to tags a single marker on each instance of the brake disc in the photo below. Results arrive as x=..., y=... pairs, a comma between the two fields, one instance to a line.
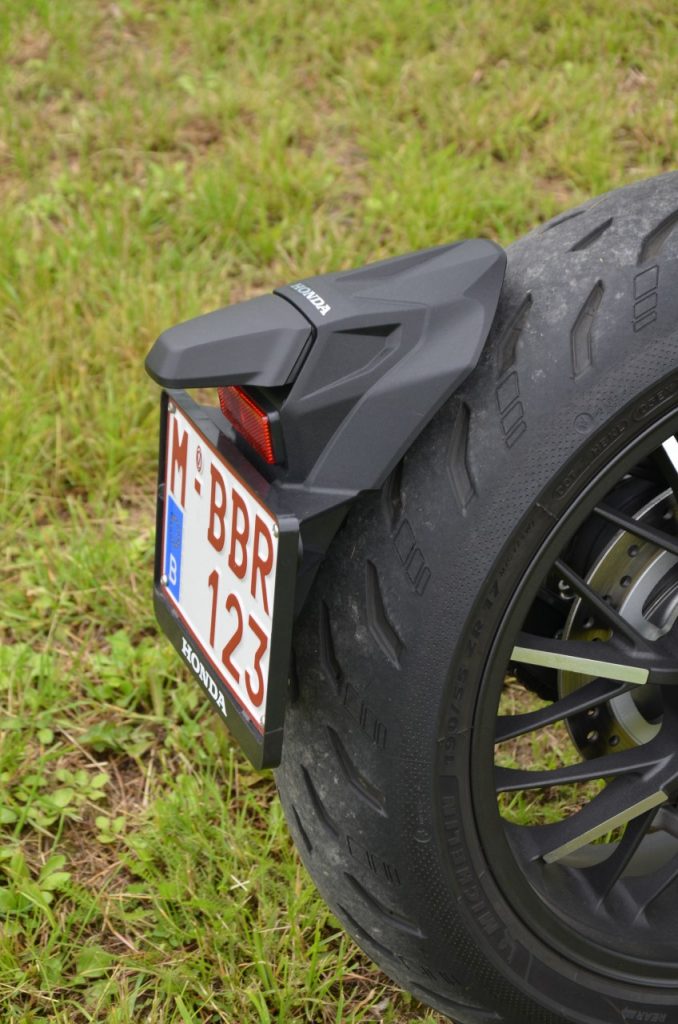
x=641, y=582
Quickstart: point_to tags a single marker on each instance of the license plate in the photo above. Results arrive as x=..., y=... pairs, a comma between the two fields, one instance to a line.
x=219, y=564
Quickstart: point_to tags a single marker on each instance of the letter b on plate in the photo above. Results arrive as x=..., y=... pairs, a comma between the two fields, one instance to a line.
x=175, y=532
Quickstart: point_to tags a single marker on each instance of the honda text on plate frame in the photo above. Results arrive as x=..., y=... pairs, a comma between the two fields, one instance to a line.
x=219, y=568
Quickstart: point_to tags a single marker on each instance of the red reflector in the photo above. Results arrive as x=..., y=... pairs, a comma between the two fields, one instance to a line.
x=249, y=420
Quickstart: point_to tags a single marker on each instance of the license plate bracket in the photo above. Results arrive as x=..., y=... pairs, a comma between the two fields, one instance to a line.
x=249, y=580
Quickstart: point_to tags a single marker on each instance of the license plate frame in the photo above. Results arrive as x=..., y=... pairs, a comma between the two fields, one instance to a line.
x=260, y=740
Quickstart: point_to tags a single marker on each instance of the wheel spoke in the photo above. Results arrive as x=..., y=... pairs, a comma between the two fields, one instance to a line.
x=647, y=890
x=633, y=526
x=605, y=611
x=620, y=802
x=655, y=662
x=597, y=692
x=608, y=766
x=604, y=876
x=602, y=660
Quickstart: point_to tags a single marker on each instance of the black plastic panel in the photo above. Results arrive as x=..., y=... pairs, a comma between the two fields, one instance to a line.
x=393, y=341
x=256, y=342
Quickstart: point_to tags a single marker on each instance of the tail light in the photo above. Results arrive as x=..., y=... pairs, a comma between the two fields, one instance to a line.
x=249, y=420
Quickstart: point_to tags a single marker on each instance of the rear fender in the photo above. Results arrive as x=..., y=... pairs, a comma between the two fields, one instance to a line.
x=359, y=360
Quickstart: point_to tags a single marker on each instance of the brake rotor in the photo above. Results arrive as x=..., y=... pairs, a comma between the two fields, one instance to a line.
x=640, y=581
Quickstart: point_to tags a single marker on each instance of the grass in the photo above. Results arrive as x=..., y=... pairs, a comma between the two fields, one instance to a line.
x=156, y=161
x=549, y=748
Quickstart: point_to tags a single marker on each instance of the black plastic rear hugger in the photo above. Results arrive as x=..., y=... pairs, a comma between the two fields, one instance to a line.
x=360, y=361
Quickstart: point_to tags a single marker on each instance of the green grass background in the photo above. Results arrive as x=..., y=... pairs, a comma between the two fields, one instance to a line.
x=157, y=160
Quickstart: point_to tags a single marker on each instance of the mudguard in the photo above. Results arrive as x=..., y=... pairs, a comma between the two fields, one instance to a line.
x=359, y=361
x=350, y=367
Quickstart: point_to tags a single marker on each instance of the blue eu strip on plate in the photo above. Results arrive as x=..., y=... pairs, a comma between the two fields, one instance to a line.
x=173, y=541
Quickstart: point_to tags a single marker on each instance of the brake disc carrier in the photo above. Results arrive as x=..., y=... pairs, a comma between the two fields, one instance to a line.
x=641, y=581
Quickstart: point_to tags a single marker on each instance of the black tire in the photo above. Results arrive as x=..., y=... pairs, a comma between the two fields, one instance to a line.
x=387, y=747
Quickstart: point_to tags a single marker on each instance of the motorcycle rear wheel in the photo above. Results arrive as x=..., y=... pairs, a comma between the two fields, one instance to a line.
x=532, y=525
